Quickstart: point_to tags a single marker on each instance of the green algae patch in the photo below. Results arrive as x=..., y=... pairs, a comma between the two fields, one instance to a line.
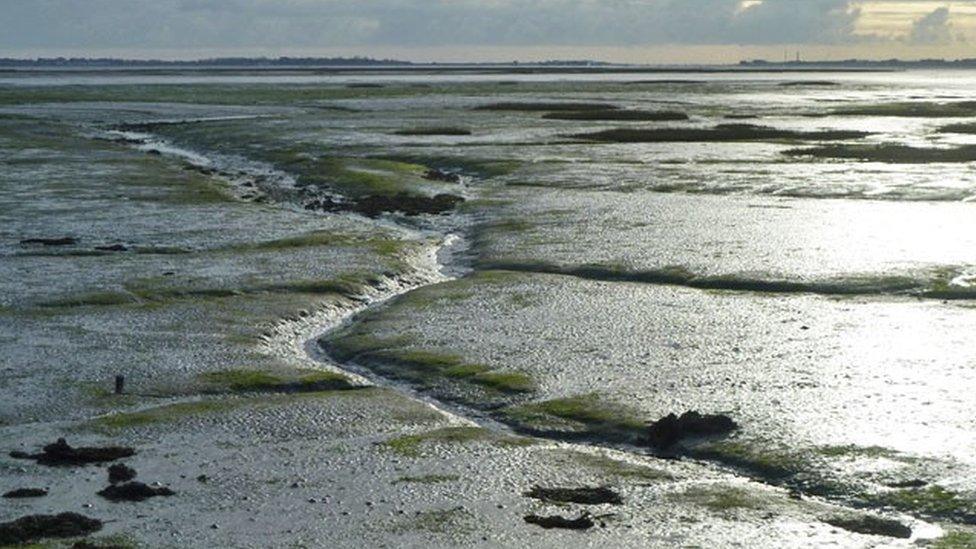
x=889, y=153
x=592, y=415
x=616, y=469
x=777, y=464
x=932, y=501
x=412, y=445
x=437, y=521
x=92, y=299
x=449, y=132
x=427, y=479
x=618, y=115
x=352, y=176
x=719, y=498
x=956, y=540
x=505, y=382
x=718, y=134
x=853, y=451
x=917, y=109
x=517, y=106
x=357, y=342
x=151, y=291
x=382, y=246
x=430, y=367
x=259, y=381
x=163, y=414
x=966, y=128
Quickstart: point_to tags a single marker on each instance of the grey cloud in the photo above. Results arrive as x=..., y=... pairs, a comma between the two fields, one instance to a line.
x=348, y=23
x=934, y=28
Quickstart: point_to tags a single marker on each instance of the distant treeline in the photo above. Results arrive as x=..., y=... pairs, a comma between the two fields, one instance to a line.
x=216, y=62
x=866, y=63
x=86, y=62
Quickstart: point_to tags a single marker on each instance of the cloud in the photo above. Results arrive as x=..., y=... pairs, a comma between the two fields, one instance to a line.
x=934, y=28
x=278, y=25
x=235, y=23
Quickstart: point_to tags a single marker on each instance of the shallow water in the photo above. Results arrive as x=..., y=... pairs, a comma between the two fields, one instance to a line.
x=826, y=304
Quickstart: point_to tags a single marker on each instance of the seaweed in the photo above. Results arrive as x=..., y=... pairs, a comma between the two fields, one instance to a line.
x=618, y=115
x=450, y=132
x=890, y=153
x=718, y=134
x=542, y=107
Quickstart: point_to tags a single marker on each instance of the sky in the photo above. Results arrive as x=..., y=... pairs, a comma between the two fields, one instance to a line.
x=633, y=31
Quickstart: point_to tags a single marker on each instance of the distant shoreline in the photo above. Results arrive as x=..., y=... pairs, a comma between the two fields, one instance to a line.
x=432, y=69
x=339, y=64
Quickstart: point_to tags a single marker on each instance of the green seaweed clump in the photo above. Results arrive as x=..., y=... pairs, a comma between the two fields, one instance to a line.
x=932, y=501
x=590, y=415
x=449, y=132
x=618, y=115
x=889, y=153
x=257, y=381
x=718, y=134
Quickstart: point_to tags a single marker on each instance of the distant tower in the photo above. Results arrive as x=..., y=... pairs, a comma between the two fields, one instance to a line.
x=797, y=56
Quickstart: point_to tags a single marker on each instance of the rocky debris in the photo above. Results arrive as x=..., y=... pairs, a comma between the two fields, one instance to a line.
x=37, y=527
x=26, y=493
x=134, y=491
x=583, y=522
x=871, y=526
x=375, y=205
x=586, y=496
x=120, y=472
x=62, y=241
x=441, y=175
x=669, y=430
x=61, y=453
x=113, y=248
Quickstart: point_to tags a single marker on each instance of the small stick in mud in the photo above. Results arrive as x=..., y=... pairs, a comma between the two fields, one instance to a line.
x=119, y=384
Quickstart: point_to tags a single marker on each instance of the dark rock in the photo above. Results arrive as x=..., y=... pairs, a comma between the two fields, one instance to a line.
x=585, y=496
x=154, y=152
x=669, y=430
x=63, y=241
x=134, y=491
x=26, y=493
x=584, y=522
x=60, y=453
x=120, y=472
x=441, y=175
x=37, y=527
x=871, y=526
x=112, y=248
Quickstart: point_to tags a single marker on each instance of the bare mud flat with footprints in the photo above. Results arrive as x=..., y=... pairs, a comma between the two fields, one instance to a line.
x=406, y=308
